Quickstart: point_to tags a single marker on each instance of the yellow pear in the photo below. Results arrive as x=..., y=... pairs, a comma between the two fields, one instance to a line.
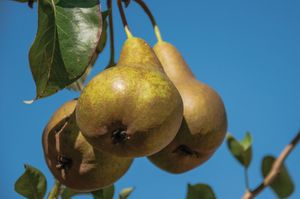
x=132, y=109
x=204, y=123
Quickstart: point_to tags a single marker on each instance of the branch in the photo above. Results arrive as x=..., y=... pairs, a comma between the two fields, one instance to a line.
x=249, y=194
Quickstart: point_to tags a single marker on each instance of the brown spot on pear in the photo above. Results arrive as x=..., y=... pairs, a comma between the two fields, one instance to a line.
x=204, y=123
x=72, y=160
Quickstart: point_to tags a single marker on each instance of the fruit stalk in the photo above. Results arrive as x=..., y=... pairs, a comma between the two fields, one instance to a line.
x=124, y=20
x=249, y=194
x=151, y=17
x=111, y=34
x=54, y=194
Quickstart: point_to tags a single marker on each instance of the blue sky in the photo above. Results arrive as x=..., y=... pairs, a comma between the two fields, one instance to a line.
x=249, y=51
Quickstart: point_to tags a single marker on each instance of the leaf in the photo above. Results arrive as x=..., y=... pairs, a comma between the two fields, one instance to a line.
x=68, y=193
x=32, y=184
x=282, y=185
x=125, y=193
x=67, y=37
x=242, y=150
x=106, y=193
x=78, y=84
x=200, y=191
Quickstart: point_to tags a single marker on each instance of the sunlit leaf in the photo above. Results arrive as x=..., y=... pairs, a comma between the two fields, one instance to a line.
x=282, y=185
x=125, y=193
x=32, y=184
x=200, y=191
x=241, y=150
x=67, y=37
x=78, y=84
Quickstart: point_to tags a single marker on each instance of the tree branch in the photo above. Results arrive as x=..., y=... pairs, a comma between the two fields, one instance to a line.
x=249, y=194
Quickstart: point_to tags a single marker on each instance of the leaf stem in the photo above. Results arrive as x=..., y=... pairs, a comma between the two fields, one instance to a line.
x=151, y=17
x=124, y=20
x=246, y=178
x=111, y=34
x=55, y=191
x=249, y=194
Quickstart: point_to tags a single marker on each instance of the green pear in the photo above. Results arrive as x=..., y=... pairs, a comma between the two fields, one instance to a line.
x=204, y=123
x=72, y=160
x=132, y=109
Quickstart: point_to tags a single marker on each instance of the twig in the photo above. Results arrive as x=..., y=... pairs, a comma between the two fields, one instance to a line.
x=249, y=194
x=55, y=191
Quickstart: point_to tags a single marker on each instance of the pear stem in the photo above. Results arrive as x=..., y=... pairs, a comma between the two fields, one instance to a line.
x=124, y=20
x=111, y=34
x=151, y=17
x=54, y=194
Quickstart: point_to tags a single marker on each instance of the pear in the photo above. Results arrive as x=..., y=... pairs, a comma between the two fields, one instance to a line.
x=72, y=160
x=204, y=123
x=132, y=109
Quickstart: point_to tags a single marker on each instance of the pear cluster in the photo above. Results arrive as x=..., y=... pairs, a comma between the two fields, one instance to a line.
x=149, y=104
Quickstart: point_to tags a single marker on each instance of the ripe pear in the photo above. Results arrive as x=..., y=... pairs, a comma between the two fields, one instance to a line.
x=204, y=123
x=72, y=160
x=132, y=109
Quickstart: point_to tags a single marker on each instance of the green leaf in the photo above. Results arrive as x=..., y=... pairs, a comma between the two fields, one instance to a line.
x=68, y=193
x=242, y=150
x=106, y=193
x=282, y=185
x=200, y=191
x=125, y=193
x=32, y=184
x=67, y=37
x=78, y=84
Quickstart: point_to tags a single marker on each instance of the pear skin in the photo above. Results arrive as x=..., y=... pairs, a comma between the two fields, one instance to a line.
x=132, y=109
x=204, y=123
x=72, y=160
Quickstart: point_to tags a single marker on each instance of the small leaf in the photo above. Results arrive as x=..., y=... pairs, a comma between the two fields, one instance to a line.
x=200, y=191
x=125, y=193
x=67, y=37
x=68, y=193
x=106, y=193
x=282, y=185
x=242, y=150
x=32, y=184
x=78, y=84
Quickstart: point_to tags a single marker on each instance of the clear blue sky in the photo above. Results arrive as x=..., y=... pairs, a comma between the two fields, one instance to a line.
x=249, y=51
